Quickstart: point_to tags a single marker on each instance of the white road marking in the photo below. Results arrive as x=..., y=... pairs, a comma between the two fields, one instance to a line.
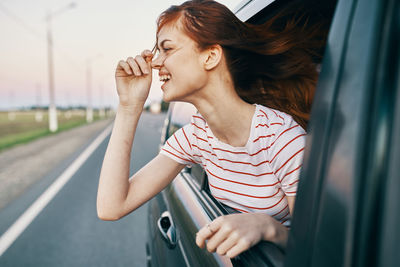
x=30, y=214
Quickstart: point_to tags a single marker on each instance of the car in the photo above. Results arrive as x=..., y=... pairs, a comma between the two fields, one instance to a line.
x=346, y=211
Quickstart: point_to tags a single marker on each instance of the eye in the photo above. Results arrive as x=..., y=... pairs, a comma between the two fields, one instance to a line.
x=162, y=51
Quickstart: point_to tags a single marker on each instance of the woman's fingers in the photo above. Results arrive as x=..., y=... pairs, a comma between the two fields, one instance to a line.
x=219, y=237
x=142, y=64
x=124, y=66
x=208, y=231
x=226, y=245
x=138, y=65
x=239, y=247
x=224, y=241
x=232, y=234
x=133, y=80
x=202, y=235
x=147, y=55
x=134, y=66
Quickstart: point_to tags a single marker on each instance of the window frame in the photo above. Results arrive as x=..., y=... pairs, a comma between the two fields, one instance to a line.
x=361, y=45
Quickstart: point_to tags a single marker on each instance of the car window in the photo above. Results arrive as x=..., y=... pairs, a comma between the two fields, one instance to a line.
x=180, y=116
x=198, y=174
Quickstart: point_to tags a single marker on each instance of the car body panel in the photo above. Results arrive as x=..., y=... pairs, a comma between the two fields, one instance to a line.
x=248, y=8
x=345, y=164
x=185, y=205
x=155, y=242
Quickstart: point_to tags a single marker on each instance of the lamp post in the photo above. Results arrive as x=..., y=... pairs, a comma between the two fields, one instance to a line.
x=53, y=124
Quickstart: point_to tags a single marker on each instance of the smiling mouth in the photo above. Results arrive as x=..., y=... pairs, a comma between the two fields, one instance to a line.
x=165, y=78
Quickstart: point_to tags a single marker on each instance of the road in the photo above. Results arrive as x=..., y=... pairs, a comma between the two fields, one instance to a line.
x=67, y=231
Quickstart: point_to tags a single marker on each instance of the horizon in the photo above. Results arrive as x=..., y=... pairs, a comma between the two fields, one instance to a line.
x=102, y=32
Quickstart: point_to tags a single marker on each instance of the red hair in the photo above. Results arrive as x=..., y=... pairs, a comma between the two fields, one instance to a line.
x=274, y=64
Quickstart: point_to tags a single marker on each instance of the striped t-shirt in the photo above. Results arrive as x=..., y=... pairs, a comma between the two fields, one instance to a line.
x=253, y=178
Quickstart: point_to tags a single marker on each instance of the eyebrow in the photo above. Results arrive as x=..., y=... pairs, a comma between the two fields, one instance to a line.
x=162, y=43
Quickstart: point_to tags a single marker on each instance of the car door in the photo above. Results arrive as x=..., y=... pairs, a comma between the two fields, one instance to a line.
x=161, y=250
x=347, y=203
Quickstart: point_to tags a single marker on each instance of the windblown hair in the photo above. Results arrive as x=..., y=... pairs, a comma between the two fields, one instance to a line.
x=273, y=64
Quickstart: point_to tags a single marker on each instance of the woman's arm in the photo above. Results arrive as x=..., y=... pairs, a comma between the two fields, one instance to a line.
x=113, y=183
x=117, y=194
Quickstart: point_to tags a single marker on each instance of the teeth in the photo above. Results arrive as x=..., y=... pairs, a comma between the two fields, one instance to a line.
x=165, y=77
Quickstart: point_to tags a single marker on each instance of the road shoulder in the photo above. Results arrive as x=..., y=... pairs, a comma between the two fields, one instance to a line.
x=24, y=165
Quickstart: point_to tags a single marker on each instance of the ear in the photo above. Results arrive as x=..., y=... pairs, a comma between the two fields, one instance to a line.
x=213, y=56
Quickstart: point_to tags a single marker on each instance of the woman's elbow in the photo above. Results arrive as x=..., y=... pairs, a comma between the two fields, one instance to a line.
x=106, y=215
x=107, y=212
x=111, y=214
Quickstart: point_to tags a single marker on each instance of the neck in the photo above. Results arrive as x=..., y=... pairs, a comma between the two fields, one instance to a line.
x=228, y=116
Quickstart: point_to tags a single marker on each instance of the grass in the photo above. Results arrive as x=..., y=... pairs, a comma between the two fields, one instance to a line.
x=20, y=127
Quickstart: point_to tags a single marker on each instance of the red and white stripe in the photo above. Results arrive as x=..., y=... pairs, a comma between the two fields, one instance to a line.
x=253, y=178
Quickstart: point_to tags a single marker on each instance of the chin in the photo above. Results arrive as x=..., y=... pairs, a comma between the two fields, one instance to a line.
x=167, y=97
x=176, y=96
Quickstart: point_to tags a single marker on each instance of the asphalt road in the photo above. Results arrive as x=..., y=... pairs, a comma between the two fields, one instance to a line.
x=67, y=231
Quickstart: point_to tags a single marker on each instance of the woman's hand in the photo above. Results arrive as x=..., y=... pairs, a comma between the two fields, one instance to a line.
x=232, y=234
x=133, y=78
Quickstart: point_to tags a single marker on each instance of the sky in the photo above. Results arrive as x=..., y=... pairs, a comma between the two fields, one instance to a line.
x=98, y=31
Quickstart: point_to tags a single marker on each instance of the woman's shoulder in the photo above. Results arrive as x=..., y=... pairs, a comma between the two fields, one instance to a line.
x=277, y=120
x=197, y=122
x=273, y=115
x=280, y=130
x=197, y=126
x=198, y=119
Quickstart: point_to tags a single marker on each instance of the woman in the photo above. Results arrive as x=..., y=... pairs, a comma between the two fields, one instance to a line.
x=252, y=153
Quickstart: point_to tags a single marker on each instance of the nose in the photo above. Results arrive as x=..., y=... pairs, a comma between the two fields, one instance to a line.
x=157, y=62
